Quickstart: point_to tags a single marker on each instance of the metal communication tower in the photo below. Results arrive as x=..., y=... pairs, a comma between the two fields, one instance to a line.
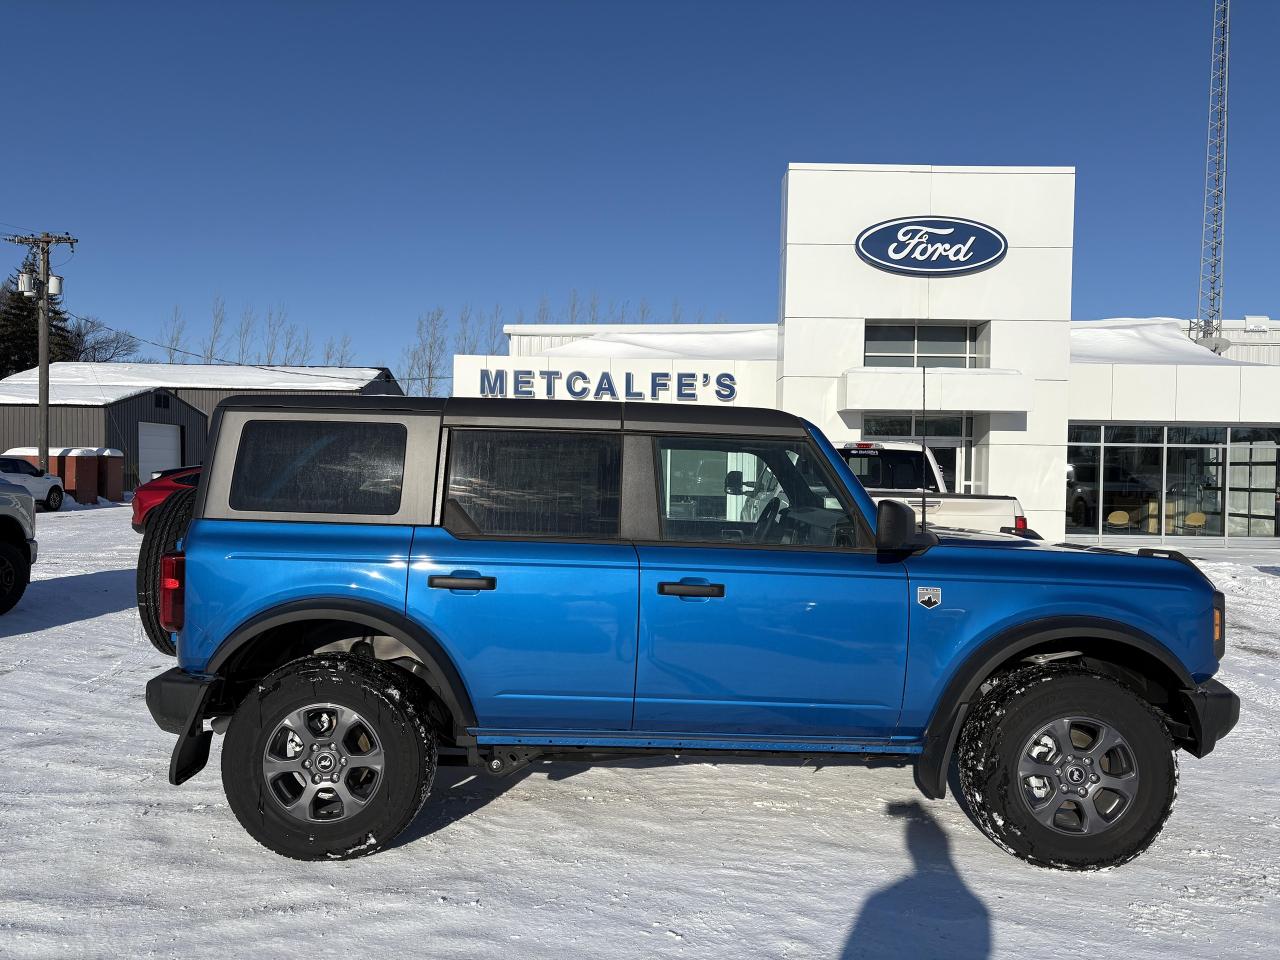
x=1208, y=322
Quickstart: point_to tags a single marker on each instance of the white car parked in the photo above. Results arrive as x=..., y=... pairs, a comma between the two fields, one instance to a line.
x=44, y=487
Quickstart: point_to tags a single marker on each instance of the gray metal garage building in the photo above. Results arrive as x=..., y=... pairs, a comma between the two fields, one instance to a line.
x=157, y=414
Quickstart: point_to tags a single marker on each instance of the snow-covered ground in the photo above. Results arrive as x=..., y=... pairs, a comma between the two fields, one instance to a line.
x=100, y=857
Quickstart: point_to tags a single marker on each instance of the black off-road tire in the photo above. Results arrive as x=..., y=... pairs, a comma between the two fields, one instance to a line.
x=391, y=708
x=165, y=526
x=15, y=574
x=1009, y=714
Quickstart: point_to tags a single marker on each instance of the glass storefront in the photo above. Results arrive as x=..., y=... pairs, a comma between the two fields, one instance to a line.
x=1177, y=481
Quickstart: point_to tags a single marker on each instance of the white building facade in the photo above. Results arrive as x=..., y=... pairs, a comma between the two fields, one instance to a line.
x=947, y=290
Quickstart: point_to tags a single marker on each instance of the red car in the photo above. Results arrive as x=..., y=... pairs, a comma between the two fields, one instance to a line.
x=154, y=492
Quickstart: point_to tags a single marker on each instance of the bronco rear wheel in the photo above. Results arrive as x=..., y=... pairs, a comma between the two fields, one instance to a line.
x=1067, y=768
x=328, y=758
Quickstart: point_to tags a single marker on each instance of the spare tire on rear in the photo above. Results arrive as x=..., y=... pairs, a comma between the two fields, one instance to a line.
x=166, y=525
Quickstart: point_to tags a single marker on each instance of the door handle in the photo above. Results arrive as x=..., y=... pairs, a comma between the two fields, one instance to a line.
x=441, y=582
x=683, y=589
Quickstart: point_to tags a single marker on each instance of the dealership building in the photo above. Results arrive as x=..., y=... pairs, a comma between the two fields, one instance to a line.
x=948, y=290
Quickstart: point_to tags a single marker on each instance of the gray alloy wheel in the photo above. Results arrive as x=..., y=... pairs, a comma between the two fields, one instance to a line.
x=1078, y=776
x=53, y=500
x=322, y=763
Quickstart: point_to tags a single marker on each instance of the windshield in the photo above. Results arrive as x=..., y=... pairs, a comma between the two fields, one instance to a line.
x=887, y=469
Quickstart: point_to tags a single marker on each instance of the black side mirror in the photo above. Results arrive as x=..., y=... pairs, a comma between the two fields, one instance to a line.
x=733, y=483
x=896, y=529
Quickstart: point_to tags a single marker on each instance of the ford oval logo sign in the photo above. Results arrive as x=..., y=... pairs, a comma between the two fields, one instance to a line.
x=932, y=246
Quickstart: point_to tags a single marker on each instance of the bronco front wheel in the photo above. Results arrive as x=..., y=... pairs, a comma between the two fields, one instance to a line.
x=1067, y=768
x=328, y=758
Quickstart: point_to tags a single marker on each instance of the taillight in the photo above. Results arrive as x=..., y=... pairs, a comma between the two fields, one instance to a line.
x=1020, y=523
x=173, y=569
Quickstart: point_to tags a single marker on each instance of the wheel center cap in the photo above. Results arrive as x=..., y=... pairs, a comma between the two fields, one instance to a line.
x=1076, y=775
x=325, y=762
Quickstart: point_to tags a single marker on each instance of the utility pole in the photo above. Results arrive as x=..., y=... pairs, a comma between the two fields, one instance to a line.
x=39, y=286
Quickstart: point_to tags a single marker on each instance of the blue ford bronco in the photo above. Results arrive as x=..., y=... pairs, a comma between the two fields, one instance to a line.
x=372, y=585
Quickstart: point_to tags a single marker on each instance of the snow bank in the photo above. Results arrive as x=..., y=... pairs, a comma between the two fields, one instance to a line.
x=1136, y=340
x=702, y=342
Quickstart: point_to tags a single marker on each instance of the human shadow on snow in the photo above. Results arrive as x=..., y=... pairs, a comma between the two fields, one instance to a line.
x=58, y=601
x=930, y=912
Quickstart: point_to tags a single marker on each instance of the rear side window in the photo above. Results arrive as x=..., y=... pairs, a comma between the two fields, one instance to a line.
x=528, y=483
x=319, y=466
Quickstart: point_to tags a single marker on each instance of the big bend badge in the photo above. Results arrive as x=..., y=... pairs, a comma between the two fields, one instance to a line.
x=928, y=597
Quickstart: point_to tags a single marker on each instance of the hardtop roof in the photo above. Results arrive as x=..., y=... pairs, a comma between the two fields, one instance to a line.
x=553, y=414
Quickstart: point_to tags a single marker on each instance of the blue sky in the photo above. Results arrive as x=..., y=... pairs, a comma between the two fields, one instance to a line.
x=361, y=163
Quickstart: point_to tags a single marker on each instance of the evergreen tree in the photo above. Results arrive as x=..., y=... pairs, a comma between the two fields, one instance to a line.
x=20, y=326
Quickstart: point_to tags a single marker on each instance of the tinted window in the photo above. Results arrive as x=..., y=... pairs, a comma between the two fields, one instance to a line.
x=774, y=492
x=319, y=466
x=527, y=483
x=887, y=469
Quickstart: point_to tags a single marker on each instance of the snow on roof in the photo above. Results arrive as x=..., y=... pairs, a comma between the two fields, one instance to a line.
x=1149, y=340
x=93, y=384
x=677, y=341
x=65, y=452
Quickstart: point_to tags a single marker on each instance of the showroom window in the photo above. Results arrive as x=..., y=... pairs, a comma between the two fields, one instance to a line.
x=1177, y=481
x=921, y=345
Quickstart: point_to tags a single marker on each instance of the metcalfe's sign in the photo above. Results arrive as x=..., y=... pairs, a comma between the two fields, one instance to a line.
x=579, y=385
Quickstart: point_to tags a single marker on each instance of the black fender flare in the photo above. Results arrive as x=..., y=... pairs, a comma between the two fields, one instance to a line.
x=444, y=679
x=949, y=713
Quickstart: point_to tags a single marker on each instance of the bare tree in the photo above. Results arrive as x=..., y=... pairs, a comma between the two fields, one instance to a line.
x=92, y=342
x=593, y=308
x=295, y=349
x=209, y=347
x=424, y=360
x=544, y=311
x=573, y=312
x=174, y=338
x=273, y=334
x=244, y=335
x=466, y=338
x=338, y=353
x=493, y=330
x=677, y=311
x=643, y=311
x=618, y=311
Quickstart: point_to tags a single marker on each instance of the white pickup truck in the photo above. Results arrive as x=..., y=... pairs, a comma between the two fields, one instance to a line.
x=893, y=469
x=17, y=542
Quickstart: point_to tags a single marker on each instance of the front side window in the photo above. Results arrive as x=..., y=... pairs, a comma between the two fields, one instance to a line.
x=531, y=484
x=318, y=466
x=771, y=492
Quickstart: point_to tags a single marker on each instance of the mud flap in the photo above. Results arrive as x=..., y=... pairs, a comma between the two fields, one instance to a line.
x=191, y=752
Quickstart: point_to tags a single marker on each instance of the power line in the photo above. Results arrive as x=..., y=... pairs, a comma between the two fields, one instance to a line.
x=270, y=368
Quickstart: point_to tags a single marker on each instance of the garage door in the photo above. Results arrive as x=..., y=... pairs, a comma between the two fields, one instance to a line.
x=159, y=448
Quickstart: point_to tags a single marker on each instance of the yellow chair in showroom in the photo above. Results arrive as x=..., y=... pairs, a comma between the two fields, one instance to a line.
x=1119, y=520
x=1195, y=522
